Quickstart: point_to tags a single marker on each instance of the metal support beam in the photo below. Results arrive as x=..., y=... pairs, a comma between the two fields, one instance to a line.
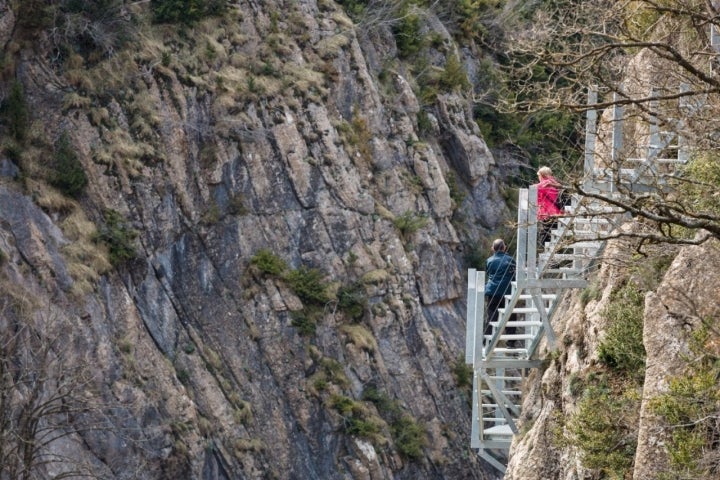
x=590, y=137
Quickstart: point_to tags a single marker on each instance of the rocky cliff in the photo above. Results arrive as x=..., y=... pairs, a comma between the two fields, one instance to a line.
x=635, y=370
x=262, y=275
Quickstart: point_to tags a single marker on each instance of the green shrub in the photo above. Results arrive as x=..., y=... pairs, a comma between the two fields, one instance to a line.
x=69, y=176
x=454, y=76
x=361, y=427
x=409, y=223
x=407, y=33
x=463, y=373
x=354, y=8
x=622, y=347
x=267, y=262
x=590, y=293
x=236, y=205
x=424, y=125
x=352, y=300
x=457, y=194
x=183, y=376
x=15, y=112
x=309, y=285
x=186, y=11
x=604, y=429
x=306, y=320
x=117, y=234
x=408, y=435
x=690, y=409
x=701, y=178
x=357, y=420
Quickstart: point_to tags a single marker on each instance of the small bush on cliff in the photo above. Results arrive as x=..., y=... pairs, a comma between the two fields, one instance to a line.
x=691, y=408
x=604, y=428
x=357, y=419
x=117, y=234
x=267, y=262
x=15, y=112
x=463, y=373
x=702, y=173
x=409, y=223
x=408, y=435
x=309, y=285
x=186, y=11
x=407, y=32
x=352, y=300
x=622, y=348
x=306, y=320
x=69, y=176
x=454, y=76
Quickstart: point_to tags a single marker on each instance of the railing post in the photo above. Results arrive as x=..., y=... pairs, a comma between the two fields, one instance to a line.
x=590, y=138
x=470, y=317
x=532, y=237
x=522, y=238
x=617, y=142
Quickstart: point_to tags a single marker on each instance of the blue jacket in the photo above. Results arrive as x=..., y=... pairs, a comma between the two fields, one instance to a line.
x=500, y=271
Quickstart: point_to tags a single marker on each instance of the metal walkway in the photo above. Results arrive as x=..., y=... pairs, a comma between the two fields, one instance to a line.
x=502, y=360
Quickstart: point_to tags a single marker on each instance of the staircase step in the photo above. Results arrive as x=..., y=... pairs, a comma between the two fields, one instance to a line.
x=507, y=393
x=494, y=405
x=499, y=430
x=525, y=296
x=512, y=336
x=502, y=421
x=519, y=323
x=515, y=351
x=560, y=268
x=519, y=310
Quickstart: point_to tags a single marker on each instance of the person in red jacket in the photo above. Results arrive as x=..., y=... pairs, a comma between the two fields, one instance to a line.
x=548, y=189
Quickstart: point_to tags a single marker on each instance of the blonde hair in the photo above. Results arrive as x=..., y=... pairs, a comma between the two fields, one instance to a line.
x=545, y=172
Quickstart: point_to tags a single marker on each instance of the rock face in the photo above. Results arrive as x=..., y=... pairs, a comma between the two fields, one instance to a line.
x=685, y=295
x=247, y=133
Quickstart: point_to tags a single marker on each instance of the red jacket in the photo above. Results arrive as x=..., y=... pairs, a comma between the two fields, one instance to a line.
x=547, y=193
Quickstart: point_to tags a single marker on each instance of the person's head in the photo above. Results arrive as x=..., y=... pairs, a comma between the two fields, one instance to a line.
x=499, y=245
x=544, y=172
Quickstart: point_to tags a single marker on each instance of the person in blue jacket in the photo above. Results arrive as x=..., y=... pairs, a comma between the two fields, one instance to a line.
x=499, y=272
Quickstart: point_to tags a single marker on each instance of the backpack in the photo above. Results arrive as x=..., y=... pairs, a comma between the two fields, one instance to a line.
x=563, y=199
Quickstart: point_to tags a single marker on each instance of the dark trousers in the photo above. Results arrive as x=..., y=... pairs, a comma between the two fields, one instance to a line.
x=544, y=233
x=492, y=304
x=491, y=308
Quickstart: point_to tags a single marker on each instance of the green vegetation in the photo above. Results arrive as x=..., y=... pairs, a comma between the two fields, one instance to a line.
x=354, y=8
x=408, y=435
x=453, y=76
x=691, y=407
x=604, y=428
x=306, y=320
x=309, y=285
x=407, y=34
x=590, y=293
x=186, y=11
x=356, y=417
x=700, y=175
x=463, y=373
x=117, y=234
x=409, y=223
x=267, y=262
x=352, y=300
x=15, y=112
x=622, y=348
x=69, y=176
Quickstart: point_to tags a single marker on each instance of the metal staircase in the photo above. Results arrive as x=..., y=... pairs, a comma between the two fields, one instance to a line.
x=501, y=361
